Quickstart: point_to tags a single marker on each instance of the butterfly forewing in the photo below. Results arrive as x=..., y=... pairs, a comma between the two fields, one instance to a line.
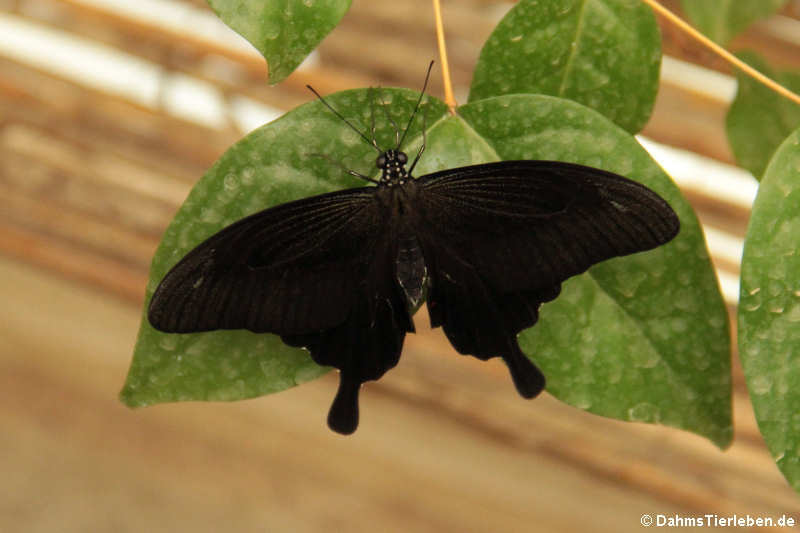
x=533, y=224
x=291, y=269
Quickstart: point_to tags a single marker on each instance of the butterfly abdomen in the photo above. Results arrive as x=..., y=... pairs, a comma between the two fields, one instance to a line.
x=410, y=270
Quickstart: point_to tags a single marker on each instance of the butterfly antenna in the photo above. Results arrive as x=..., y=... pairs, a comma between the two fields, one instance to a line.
x=390, y=119
x=416, y=108
x=424, y=138
x=326, y=104
x=347, y=170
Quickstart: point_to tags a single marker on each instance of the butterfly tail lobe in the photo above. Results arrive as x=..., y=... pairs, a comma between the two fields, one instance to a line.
x=528, y=379
x=343, y=415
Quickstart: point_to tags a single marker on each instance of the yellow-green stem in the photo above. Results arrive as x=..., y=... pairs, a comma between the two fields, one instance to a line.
x=724, y=54
x=449, y=98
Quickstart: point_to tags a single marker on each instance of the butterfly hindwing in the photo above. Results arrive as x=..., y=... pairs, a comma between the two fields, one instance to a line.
x=499, y=239
x=370, y=340
x=480, y=321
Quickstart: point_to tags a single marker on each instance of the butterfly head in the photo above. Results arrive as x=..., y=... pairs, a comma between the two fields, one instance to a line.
x=393, y=166
x=392, y=162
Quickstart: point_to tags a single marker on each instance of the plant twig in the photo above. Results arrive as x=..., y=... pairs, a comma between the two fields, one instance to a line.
x=449, y=98
x=717, y=49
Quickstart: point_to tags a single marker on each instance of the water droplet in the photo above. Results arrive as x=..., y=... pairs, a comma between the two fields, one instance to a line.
x=230, y=182
x=679, y=325
x=760, y=385
x=794, y=314
x=685, y=301
x=211, y=216
x=272, y=367
x=349, y=138
x=581, y=401
x=151, y=286
x=649, y=360
x=644, y=412
x=754, y=302
x=775, y=288
x=247, y=175
x=701, y=363
x=198, y=346
x=588, y=353
x=168, y=343
x=271, y=31
x=702, y=252
x=307, y=373
x=229, y=371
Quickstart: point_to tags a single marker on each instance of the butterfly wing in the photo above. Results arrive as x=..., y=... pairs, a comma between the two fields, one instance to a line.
x=283, y=270
x=318, y=272
x=499, y=239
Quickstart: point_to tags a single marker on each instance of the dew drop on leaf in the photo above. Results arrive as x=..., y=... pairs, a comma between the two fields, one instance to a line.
x=760, y=385
x=271, y=31
x=168, y=343
x=231, y=182
x=644, y=412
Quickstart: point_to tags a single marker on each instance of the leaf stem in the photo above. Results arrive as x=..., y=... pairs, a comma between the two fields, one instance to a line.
x=449, y=98
x=717, y=49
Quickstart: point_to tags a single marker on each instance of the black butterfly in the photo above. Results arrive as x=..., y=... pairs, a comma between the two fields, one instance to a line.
x=340, y=273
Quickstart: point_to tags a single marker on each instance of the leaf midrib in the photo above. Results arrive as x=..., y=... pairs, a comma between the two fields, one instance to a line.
x=574, y=44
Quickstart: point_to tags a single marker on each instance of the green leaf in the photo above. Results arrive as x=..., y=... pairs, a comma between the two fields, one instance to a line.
x=643, y=337
x=769, y=308
x=270, y=166
x=284, y=31
x=759, y=119
x=650, y=345
x=604, y=54
x=721, y=20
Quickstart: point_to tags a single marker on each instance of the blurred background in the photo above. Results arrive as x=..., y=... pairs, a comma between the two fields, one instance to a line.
x=111, y=110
